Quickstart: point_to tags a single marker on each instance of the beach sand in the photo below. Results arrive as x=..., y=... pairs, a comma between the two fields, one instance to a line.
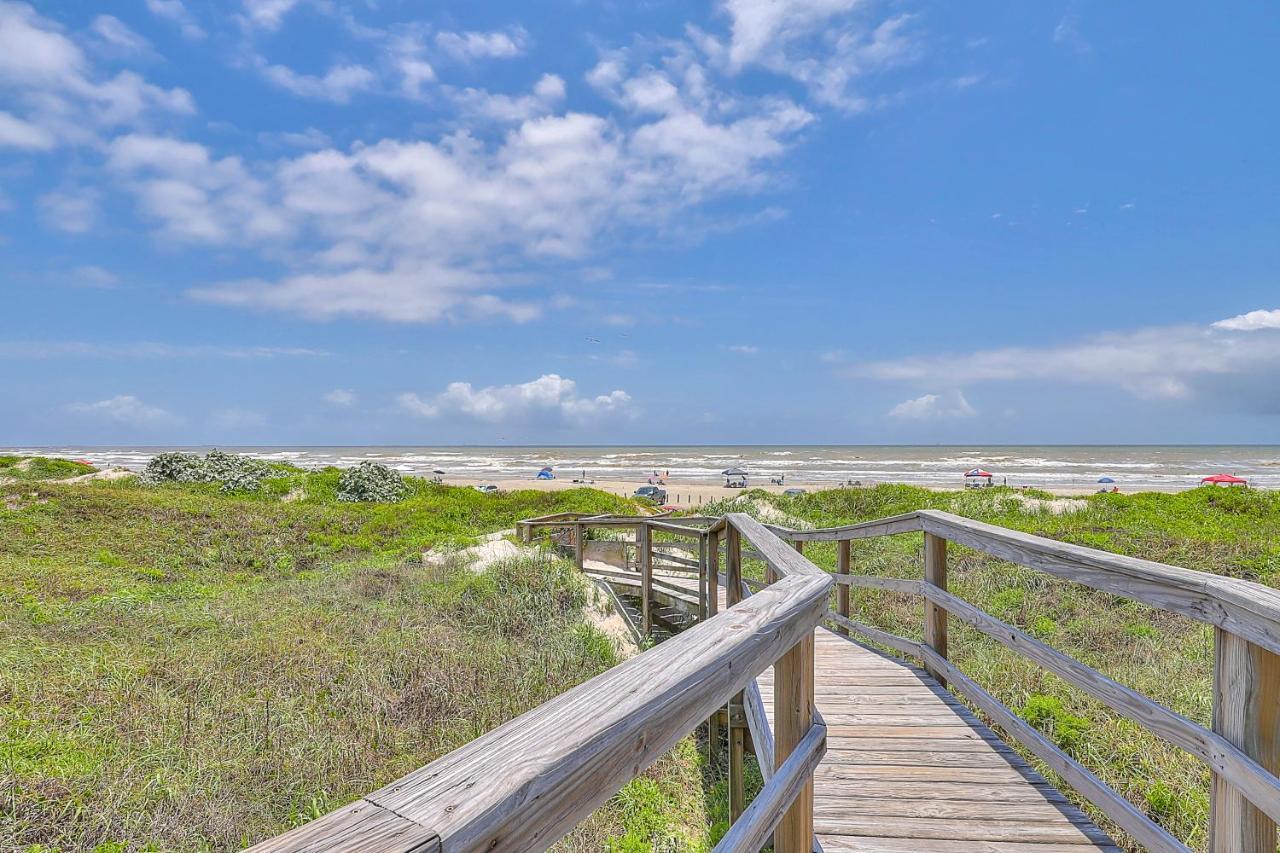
x=682, y=494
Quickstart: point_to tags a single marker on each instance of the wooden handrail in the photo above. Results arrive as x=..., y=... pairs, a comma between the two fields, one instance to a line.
x=767, y=809
x=1242, y=750
x=526, y=783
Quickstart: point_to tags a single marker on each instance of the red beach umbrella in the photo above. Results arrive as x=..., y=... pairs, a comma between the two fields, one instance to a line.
x=1224, y=480
x=978, y=472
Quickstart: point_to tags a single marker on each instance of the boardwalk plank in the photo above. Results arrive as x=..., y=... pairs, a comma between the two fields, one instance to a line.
x=910, y=769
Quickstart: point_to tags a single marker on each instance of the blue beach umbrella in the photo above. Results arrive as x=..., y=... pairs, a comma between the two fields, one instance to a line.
x=1105, y=480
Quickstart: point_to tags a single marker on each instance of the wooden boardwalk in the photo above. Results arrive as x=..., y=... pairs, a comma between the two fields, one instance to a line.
x=909, y=769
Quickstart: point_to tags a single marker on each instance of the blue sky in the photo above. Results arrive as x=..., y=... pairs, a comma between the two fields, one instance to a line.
x=763, y=221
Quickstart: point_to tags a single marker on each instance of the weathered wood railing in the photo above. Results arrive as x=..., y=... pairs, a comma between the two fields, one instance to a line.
x=525, y=784
x=1243, y=747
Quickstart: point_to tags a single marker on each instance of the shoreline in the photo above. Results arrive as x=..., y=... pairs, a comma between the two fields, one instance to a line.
x=687, y=494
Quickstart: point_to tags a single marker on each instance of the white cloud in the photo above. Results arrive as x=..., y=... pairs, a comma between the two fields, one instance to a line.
x=337, y=85
x=824, y=44
x=549, y=398
x=267, y=14
x=93, y=276
x=195, y=197
x=340, y=397
x=71, y=209
x=116, y=33
x=16, y=133
x=127, y=410
x=546, y=97
x=1251, y=322
x=934, y=407
x=491, y=45
x=175, y=13
x=743, y=349
x=61, y=94
x=1240, y=361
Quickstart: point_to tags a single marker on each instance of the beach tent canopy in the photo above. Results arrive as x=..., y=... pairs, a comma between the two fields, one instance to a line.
x=1105, y=480
x=437, y=471
x=1226, y=479
x=546, y=468
x=734, y=472
x=546, y=474
x=978, y=472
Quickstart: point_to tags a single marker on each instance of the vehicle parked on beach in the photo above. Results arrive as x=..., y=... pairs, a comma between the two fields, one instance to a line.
x=653, y=493
x=794, y=493
x=486, y=488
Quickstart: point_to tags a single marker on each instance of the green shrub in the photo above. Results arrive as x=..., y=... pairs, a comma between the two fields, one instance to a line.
x=370, y=482
x=231, y=471
x=1048, y=715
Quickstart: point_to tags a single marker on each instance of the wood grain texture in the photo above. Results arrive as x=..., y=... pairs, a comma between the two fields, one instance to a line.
x=526, y=783
x=780, y=791
x=792, y=720
x=1246, y=712
x=928, y=770
x=1227, y=760
x=842, y=577
x=935, y=577
x=1126, y=816
x=359, y=827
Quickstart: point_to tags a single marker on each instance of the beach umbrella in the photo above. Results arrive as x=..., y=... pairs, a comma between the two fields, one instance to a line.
x=1105, y=480
x=734, y=472
x=1225, y=480
x=978, y=472
x=437, y=471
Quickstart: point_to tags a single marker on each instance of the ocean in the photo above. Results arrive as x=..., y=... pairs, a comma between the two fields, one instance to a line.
x=1133, y=467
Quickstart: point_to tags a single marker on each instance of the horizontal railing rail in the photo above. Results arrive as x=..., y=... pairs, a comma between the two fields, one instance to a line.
x=1242, y=750
x=525, y=784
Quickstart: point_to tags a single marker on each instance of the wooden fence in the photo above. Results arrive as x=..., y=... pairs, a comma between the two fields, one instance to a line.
x=525, y=784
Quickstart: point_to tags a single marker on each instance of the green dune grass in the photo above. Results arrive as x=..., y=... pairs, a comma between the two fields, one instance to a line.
x=1169, y=658
x=186, y=670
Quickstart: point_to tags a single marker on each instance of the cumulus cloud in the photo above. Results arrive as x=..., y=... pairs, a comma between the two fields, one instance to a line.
x=548, y=399
x=267, y=14
x=338, y=84
x=340, y=397
x=63, y=99
x=1237, y=360
x=544, y=99
x=476, y=45
x=116, y=33
x=176, y=13
x=127, y=410
x=930, y=407
x=1252, y=321
x=825, y=44
x=743, y=349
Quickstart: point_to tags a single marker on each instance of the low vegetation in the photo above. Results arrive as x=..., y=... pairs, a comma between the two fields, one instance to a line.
x=1232, y=532
x=183, y=668
x=31, y=468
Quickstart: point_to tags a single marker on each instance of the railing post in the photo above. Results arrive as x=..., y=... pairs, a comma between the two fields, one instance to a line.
x=579, y=544
x=935, y=618
x=703, y=611
x=1246, y=711
x=713, y=607
x=733, y=565
x=842, y=590
x=793, y=716
x=644, y=551
x=737, y=761
x=713, y=573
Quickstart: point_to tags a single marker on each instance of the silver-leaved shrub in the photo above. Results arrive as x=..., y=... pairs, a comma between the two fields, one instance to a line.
x=233, y=472
x=370, y=482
